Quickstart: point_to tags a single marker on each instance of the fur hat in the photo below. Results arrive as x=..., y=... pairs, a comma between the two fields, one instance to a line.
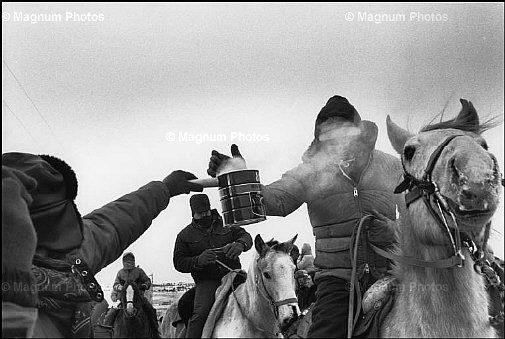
x=199, y=203
x=53, y=212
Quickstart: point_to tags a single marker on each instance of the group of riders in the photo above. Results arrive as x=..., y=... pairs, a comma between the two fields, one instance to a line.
x=342, y=178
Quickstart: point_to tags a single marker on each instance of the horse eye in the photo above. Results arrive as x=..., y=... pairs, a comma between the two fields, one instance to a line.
x=266, y=275
x=408, y=152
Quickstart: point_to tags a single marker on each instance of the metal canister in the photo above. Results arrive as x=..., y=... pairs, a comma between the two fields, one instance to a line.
x=241, y=198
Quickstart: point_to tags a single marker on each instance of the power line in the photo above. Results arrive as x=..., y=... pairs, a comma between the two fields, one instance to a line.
x=19, y=120
x=31, y=101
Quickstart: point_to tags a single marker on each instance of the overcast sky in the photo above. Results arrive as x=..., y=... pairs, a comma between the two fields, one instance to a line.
x=117, y=90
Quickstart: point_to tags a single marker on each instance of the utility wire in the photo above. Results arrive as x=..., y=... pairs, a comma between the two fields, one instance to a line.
x=19, y=120
x=31, y=101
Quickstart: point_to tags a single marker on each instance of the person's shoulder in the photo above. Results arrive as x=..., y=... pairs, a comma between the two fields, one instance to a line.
x=387, y=159
x=138, y=269
x=186, y=232
x=121, y=271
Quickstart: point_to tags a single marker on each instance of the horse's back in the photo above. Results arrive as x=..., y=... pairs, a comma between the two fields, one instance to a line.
x=171, y=318
x=300, y=328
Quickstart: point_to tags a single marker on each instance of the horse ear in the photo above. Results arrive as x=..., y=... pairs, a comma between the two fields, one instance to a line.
x=260, y=245
x=397, y=135
x=288, y=245
x=468, y=115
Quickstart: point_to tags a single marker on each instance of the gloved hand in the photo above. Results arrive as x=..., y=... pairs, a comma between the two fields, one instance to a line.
x=207, y=257
x=143, y=287
x=119, y=288
x=381, y=231
x=19, y=239
x=219, y=161
x=177, y=183
x=233, y=250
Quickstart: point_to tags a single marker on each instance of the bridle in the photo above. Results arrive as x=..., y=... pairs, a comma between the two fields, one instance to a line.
x=428, y=190
x=265, y=295
x=126, y=302
x=258, y=276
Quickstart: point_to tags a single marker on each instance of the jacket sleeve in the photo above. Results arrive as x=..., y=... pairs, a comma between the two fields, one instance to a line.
x=109, y=230
x=117, y=282
x=242, y=236
x=144, y=279
x=285, y=195
x=184, y=262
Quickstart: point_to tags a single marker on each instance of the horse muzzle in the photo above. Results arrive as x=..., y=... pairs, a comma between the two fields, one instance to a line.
x=130, y=310
x=287, y=314
x=475, y=187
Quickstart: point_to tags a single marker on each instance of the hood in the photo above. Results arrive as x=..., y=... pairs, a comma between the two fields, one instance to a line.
x=128, y=261
x=54, y=214
x=306, y=249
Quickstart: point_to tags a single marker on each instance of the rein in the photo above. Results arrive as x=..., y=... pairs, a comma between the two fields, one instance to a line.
x=428, y=190
x=273, y=304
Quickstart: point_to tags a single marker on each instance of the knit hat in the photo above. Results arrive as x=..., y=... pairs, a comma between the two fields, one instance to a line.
x=336, y=106
x=53, y=212
x=199, y=203
x=19, y=239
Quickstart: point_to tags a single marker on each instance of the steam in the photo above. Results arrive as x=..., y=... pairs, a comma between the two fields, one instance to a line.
x=230, y=165
x=342, y=150
x=339, y=146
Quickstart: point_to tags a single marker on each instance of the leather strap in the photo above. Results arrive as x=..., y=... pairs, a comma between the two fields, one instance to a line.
x=443, y=263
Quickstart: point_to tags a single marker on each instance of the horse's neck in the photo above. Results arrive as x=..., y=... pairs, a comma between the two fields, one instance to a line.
x=449, y=300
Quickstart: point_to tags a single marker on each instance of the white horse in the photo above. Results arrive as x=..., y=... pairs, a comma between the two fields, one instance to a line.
x=453, y=186
x=266, y=302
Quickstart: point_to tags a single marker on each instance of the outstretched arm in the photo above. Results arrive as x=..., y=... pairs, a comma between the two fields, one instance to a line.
x=285, y=195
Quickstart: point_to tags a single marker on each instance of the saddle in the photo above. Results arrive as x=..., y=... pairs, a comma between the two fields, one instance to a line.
x=185, y=307
x=228, y=283
x=103, y=328
x=376, y=305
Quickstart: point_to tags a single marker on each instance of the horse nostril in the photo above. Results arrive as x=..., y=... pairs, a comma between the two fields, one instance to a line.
x=468, y=194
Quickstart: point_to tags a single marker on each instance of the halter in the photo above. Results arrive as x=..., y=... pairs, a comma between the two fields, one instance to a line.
x=428, y=190
x=273, y=304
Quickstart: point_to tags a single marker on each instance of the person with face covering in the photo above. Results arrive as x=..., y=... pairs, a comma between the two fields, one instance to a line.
x=342, y=178
x=54, y=253
x=197, y=249
x=130, y=272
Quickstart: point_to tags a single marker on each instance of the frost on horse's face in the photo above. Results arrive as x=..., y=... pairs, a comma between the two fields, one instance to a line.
x=466, y=173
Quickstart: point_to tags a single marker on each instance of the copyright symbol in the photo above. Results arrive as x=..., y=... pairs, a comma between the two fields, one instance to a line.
x=349, y=16
x=5, y=287
x=6, y=16
x=170, y=136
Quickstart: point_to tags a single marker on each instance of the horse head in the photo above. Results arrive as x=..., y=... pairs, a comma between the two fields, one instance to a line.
x=450, y=159
x=130, y=299
x=274, y=277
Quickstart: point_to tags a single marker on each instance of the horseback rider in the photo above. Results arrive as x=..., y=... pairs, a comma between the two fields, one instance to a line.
x=133, y=273
x=342, y=178
x=198, y=248
x=129, y=273
x=68, y=249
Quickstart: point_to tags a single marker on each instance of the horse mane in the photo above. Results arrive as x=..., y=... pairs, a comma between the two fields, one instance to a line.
x=467, y=124
x=277, y=246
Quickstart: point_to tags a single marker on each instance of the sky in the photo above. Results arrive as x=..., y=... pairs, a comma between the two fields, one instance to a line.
x=127, y=93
